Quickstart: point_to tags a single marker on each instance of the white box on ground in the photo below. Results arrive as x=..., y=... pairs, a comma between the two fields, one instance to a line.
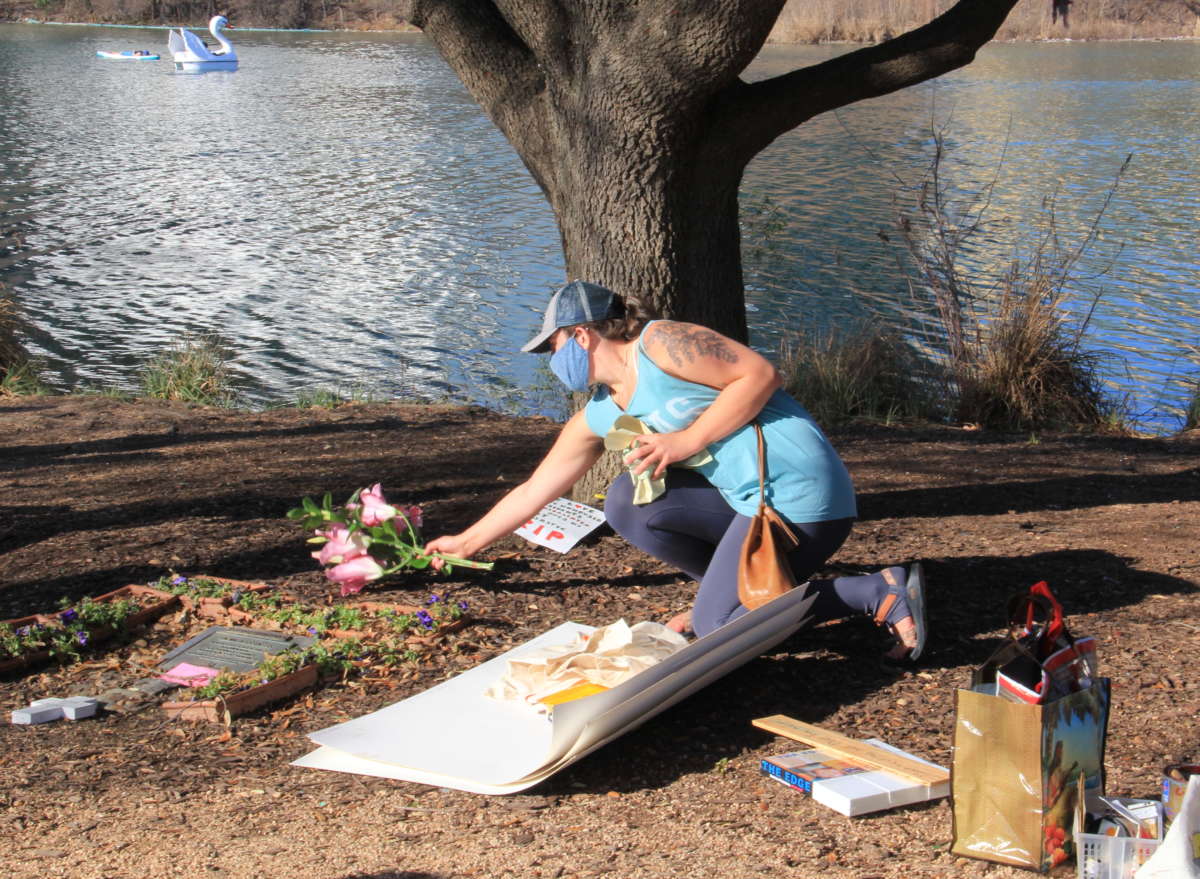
x=79, y=707
x=870, y=790
x=877, y=789
x=46, y=710
x=42, y=711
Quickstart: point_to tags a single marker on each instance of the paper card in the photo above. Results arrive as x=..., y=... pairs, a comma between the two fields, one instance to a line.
x=561, y=524
x=187, y=675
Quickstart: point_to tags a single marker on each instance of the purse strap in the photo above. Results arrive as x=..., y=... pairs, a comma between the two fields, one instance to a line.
x=762, y=466
x=775, y=519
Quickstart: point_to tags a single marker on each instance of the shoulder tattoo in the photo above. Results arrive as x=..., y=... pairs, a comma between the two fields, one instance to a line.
x=686, y=342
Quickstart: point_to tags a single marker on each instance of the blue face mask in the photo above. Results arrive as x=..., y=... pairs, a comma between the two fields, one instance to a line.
x=570, y=364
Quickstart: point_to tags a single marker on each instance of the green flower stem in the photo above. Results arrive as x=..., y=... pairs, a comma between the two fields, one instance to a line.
x=450, y=560
x=458, y=560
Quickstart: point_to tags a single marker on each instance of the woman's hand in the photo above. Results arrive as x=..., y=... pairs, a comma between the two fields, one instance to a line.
x=572, y=455
x=660, y=450
x=450, y=544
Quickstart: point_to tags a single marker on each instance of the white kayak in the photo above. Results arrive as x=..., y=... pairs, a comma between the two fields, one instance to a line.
x=136, y=55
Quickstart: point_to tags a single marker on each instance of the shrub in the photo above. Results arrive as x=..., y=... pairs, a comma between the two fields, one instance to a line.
x=19, y=376
x=194, y=370
x=1007, y=342
x=1191, y=417
x=863, y=373
x=11, y=351
x=1023, y=365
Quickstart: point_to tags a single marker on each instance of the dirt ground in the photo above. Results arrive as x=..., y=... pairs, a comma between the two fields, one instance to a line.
x=96, y=493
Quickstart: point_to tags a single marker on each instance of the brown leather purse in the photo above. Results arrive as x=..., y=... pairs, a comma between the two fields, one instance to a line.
x=763, y=569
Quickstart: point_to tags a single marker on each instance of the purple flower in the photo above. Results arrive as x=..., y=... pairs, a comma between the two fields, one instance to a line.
x=434, y=598
x=463, y=606
x=23, y=631
x=178, y=580
x=82, y=637
x=312, y=630
x=425, y=619
x=69, y=614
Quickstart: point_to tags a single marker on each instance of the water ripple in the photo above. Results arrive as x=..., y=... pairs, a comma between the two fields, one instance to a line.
x=341, y=212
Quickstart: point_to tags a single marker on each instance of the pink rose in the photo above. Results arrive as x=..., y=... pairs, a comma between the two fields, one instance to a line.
x=354, y=574
x=413, y=515
x=373, y=509
x=341, y=545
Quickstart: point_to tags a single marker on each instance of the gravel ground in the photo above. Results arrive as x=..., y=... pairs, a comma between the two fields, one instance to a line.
x=99, y=493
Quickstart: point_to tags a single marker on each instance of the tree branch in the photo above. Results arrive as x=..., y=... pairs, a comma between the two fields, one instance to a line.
x=497, y=67
x=763, y=111
x=543, y=26
x=670, y=51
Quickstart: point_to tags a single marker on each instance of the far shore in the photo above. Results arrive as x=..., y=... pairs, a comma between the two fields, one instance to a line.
x=794, y=26
x=771, y=41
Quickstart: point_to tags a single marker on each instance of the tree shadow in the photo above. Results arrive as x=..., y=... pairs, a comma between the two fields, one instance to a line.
x=117, y=446
x=30, y=524
x=561, y=585
x=267, y=564
x=1065, y=493
x=396, y=874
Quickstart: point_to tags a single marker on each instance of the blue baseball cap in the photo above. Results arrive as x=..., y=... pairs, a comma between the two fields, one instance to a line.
x=578, y=302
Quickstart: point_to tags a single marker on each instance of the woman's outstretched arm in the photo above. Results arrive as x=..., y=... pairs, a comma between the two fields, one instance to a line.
x=571, y=456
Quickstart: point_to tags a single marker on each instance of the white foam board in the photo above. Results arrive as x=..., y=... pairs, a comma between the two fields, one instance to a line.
x=452, y=735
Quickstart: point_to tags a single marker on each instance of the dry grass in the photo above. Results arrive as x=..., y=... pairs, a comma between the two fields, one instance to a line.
x=870, y=21
x=194, y=370
x=1191, y=418
x=11, y=352
x=1023, y=364
x=863, y=373
x=19, y=376
x=1007, y=342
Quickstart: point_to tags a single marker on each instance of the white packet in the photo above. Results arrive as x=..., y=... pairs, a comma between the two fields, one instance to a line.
x=1175, y=857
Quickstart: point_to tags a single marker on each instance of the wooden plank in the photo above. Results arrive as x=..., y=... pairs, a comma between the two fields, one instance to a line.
x=837, y=745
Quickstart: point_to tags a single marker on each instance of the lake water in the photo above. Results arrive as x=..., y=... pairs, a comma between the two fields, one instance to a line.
x=342, y=213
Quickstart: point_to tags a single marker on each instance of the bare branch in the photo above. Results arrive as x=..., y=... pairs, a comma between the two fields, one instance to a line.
x=764, y=110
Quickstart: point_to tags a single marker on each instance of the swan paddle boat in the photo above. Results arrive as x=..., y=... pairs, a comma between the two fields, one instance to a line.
x=129, y=55
x=192, y=56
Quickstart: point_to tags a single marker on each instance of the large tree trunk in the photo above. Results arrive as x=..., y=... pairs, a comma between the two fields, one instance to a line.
x=639, y=231
x=635, y=122
x=676, y=248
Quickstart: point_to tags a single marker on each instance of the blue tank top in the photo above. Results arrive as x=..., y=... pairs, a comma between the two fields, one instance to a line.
x=806, y=480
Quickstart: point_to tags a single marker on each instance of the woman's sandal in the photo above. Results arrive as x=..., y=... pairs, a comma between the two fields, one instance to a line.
x=913, y=592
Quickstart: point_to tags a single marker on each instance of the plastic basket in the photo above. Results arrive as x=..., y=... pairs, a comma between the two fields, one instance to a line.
x=1111, y=857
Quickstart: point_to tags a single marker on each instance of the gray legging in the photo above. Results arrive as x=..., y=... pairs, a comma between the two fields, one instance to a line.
x=693, y=528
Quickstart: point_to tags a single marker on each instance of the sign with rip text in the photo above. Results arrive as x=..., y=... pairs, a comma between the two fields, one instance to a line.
x=561, y=524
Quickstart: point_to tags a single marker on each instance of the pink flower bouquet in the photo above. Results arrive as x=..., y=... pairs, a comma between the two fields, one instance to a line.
x=368, y=538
